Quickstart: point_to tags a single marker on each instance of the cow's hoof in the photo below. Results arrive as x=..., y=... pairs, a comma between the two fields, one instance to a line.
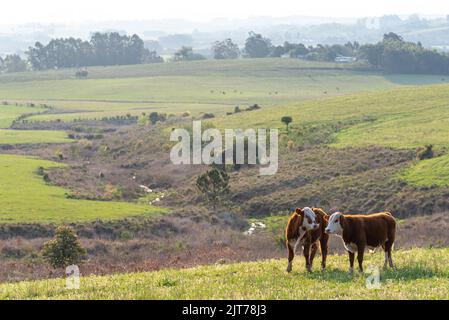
x=289, y=269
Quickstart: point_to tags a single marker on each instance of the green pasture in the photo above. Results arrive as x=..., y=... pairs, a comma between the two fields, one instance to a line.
x=207, y=86
x=26, y=198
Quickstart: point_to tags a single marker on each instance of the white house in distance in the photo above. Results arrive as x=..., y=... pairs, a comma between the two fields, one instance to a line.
x=343, y=59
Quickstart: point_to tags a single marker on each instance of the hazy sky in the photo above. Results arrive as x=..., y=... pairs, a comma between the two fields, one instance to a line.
x=45, y=11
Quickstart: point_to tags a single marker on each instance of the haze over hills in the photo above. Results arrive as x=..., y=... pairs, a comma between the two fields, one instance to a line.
x=168, y=35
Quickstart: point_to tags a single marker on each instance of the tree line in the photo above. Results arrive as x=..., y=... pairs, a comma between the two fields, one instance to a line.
x=103, y=49
x=392, y=54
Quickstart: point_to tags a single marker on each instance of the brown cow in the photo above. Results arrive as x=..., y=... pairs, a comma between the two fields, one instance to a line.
x=364, y=230
x=306, y=227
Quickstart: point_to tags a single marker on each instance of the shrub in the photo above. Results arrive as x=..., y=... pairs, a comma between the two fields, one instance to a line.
x=208, y=116
x=64, y=250
x=426, y=153
x=213, y=184
x=290, y=145
x=81, y=74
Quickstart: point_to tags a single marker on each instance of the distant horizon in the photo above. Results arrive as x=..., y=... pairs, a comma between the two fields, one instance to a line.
x=217, y=18
x=45, y=12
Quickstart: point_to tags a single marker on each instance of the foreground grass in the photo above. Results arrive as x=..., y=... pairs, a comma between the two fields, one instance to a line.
x=420, y=274
x=25, y=198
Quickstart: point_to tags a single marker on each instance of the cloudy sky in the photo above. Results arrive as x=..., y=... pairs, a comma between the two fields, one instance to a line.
x=47, y=11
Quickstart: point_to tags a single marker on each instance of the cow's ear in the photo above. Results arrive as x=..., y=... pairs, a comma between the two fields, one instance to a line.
x=326, y=218
x=298, y=210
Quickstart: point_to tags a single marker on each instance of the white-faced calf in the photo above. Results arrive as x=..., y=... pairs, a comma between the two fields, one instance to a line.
x=306, y=228
x=364, y=231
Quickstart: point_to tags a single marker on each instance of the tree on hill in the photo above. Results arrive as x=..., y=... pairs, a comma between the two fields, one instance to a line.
x=394, y=55
x=214, y=185
x=257, y=46
x=12, y=63
x=287, y=120
x=225, y=49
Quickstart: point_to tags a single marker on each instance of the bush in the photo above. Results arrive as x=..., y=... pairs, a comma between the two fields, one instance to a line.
x=208, y=116
x=82, y=74
x=214, y=185
x=64, y=250
x=426, y=153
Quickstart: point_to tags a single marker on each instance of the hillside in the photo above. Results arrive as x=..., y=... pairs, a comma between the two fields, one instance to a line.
x=206, y=86
x=352, y=147
x=420, y=274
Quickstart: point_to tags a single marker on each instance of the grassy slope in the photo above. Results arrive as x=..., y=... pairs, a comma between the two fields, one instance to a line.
x=25, y=198
x=401, y=109
x=8, y=113
x=429, y=172
x=32, y=136
x=399, y=118
x=188, y=86
x=420, y=274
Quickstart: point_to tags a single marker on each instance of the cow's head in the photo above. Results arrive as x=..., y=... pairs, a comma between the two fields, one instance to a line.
x=308, y=221
x=336, y=224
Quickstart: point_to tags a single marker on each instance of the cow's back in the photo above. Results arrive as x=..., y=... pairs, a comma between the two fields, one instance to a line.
x=374, y=229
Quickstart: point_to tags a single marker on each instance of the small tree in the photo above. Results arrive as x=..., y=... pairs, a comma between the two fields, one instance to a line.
x=154, y=117
x=286, y=120
x=426, y=153
x=64, y=250
x=213, y=184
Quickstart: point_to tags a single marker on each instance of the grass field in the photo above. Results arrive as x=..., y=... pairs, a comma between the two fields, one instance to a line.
x=209, y=86
x=399, y=118
x=32, y=136
x=420, y=274
x=25, y=198
x=404, y=117
x=8, y=113
x=431, y=172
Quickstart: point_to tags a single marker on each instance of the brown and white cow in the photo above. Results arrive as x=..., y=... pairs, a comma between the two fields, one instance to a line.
x=364, y=231
x=306, y=228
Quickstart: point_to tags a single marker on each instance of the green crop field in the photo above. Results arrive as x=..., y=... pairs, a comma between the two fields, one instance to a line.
x=420, y=274
x=207, y=86
x=25, y=198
